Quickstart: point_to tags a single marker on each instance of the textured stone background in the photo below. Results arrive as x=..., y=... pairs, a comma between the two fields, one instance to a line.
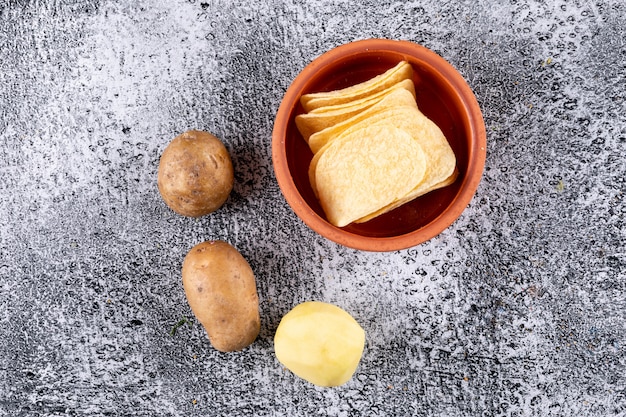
x=517, y=309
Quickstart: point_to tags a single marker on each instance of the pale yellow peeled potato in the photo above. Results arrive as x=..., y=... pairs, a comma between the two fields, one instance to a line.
x=320, y=343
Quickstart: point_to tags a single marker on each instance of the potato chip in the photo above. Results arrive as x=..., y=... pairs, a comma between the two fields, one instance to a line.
x=395, y=99
x=323, y=117
x=366, y=171
x=373, y=149
x=439, y=154
x=406, y=84
x=419, y=191
x=401, y=71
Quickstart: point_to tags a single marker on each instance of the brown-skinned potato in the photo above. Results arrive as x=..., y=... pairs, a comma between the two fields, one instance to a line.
x=195, y=175
x=221, y=291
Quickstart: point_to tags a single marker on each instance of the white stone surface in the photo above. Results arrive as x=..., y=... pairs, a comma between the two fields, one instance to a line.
x=517, y=309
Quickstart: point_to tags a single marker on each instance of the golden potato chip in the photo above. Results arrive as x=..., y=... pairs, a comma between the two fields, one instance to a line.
x=440, y=169
x=323, y=117
x=419, y=191
x=373, y=149
x=402, y=71
x=406, y=84
x=366, y=171
x=439, y=154
x=395, y=99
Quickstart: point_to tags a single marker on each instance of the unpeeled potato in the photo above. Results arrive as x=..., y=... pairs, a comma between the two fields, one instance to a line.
x=221, y=291
x=195, y=174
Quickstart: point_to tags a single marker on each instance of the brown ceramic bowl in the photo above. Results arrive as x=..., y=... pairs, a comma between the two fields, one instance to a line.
x=442, y=95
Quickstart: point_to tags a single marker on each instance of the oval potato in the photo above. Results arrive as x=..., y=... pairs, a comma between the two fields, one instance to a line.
x=221, y=291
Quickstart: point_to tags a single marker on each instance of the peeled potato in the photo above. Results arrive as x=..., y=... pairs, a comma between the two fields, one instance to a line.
x=320, y=343
x=221, y=291
x=195, y=175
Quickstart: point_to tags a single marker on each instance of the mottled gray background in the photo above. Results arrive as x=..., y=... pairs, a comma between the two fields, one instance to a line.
x=517, y=309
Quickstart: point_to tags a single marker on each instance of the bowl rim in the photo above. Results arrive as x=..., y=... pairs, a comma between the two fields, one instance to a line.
x=476, y=155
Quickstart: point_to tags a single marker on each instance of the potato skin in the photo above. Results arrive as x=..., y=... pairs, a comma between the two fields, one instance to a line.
x=195, y=175
x=221, y=291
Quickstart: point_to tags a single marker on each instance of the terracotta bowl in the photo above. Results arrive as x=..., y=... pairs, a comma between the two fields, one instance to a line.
x=442, y=95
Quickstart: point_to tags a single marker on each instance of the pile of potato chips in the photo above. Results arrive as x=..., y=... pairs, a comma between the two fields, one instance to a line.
x=374, y=150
